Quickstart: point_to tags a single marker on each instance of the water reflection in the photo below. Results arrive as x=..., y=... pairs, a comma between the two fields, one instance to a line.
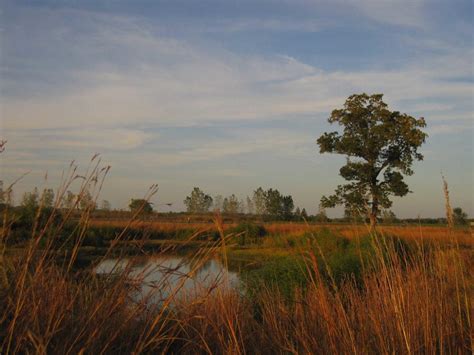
x=156, y=278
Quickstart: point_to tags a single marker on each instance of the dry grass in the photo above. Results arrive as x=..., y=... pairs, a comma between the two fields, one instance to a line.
x=433, y=233
x=464, y=235
x=420, y=303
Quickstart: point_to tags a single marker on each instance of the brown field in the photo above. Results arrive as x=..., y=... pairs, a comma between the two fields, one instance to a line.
x=464, y=236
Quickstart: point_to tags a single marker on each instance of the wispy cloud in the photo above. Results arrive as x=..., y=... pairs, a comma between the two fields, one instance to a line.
x=79, y=81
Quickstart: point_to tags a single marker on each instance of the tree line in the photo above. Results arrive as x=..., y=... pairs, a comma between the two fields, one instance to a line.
x=269, y=202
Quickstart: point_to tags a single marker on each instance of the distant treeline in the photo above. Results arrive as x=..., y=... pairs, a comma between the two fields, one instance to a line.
x=263, y=205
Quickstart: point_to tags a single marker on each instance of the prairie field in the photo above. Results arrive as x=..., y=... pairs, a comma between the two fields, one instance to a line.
x=464, y=235
x=304, y=288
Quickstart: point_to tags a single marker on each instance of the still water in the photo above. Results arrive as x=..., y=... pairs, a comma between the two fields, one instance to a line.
x=155, y=278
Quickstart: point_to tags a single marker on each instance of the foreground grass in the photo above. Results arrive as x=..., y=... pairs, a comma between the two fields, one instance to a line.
x=325, y=294
x=417, y=303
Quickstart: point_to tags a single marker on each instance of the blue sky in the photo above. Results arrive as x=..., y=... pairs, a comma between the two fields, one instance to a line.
x=230, y=95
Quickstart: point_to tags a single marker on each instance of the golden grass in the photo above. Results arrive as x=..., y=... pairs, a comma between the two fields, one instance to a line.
x=464, y=235
x=421, y=303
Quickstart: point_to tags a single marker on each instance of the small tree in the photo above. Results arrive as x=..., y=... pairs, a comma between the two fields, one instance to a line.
x=86, y=201
x=250, y=206
x=298, y=212
x=259, y=201
x=69, y=199
x=142, y=205
x=198, y=201
x=321, y=216
x=304, y=214
x=30, y=200
x=48, y=198
x=231, y=204
x=287, y=207
x=388, y=216
x=460, y=217
x=218, y=202
x=380, y=146
x=105, y=206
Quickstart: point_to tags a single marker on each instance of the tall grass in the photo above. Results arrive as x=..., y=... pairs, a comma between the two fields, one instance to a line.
x=404, y=302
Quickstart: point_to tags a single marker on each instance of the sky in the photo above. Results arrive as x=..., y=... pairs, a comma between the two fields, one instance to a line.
x=230, y=95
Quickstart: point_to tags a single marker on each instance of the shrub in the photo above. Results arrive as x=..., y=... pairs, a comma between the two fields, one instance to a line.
x=249, y=233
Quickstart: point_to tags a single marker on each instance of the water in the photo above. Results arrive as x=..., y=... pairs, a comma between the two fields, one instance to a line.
x=155, y=278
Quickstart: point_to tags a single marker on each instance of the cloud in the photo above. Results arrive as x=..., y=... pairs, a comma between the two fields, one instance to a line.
x=101, y=139
x=283, y=142
x=131, y=75
x=395, y=12
x=78, y=82
x=441, y=129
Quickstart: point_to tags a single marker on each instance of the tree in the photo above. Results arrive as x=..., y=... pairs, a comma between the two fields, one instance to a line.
x=250, y=206
x=287, y=207
x=321, y=216
x=298, y=212
x=231, y=204
x=140, y=204
x=218, y=202
x=259, y=201
x=273, y=202
x=48, y=198
x=30, y=200
x=460, y=217
x=86, y=201
x=304, y=214
x=29, y=207
x=105, y=206
x=69, y=199
x=380, y=145
x=198, y=201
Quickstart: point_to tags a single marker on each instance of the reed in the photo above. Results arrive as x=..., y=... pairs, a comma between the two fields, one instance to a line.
x=418, y=302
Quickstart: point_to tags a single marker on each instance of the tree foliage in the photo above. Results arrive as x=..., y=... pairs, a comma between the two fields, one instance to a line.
x=231, y=204
x=105, y=206
x=140, y=204
x=198, y=201
x=48, y=198
x=460, y=217
x=272, y=203
x=380, y=145
x=259, y=201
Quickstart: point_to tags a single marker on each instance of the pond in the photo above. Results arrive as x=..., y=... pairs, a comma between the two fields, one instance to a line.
x=155, y=278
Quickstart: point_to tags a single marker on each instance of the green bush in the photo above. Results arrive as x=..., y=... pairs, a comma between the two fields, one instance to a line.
x=280, y=274
x=248, y=233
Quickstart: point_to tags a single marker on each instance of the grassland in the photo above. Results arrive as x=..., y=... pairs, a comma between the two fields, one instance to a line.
x=309, y=289
x=306, y=288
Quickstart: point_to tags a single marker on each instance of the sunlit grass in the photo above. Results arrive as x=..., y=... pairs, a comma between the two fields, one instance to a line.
x=399, y=300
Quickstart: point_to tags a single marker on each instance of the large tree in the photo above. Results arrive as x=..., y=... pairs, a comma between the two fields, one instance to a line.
x=380, y=146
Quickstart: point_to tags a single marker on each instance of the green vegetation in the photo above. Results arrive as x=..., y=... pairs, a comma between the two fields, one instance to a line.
x=460, y=217
x=198, y=201
x=377, y=142
x=313, y=290
x=140, y=206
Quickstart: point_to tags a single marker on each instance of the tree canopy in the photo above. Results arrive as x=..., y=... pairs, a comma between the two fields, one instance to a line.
x=380, y=145
x=460, y=217
x=198, y=201
x=272, y=203
x=140, y=204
